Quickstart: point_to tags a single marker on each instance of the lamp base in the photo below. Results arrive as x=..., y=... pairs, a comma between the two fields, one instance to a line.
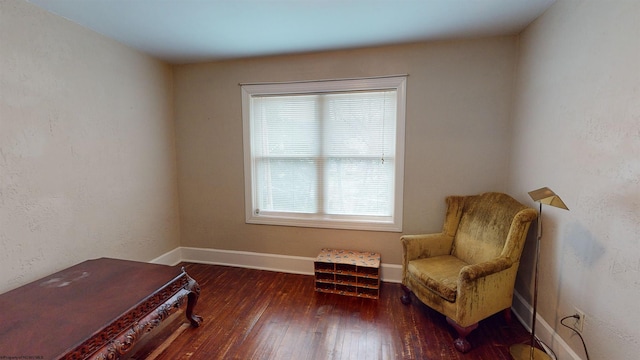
x=523, y=352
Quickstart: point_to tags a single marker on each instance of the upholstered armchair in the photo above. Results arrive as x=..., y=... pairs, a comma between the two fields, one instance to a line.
x=467, y=272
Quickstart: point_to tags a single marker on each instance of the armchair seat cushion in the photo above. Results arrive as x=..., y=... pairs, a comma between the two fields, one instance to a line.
x=439, y=274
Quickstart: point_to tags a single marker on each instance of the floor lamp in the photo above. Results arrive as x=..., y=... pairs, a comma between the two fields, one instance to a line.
x=530, y=352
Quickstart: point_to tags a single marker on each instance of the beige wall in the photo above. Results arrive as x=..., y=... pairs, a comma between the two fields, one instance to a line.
x=457, y=138
x=577, y=130
x=87, y=155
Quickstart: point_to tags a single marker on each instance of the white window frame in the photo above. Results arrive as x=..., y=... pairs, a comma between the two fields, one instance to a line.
x=392, y=223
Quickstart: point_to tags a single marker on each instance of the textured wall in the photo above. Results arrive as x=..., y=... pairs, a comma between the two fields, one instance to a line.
x=457, y=138
x=87, y=155
x=577, y=130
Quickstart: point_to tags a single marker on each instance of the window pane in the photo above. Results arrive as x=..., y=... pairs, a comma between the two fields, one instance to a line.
x=359, y=187
x=286, y=125
x=360, y=123
x=286, y=185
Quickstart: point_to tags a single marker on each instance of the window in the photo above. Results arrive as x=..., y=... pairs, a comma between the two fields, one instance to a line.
x=325, y=153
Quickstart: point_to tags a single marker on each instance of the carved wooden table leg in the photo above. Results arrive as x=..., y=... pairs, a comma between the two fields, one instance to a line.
x=189, y=291
x=192, y=299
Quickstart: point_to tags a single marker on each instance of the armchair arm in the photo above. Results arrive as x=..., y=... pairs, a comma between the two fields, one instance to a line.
x=473, y=272
x=426, y=245
x=518, y=233
x=484, y=289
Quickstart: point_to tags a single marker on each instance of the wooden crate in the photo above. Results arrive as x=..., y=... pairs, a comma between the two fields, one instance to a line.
x=347, y=272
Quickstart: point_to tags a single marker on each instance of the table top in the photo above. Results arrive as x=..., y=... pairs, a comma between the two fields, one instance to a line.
x=53, y=315
x=351, y=257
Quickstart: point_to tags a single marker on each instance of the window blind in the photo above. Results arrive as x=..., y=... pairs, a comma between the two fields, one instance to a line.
x=325, y=153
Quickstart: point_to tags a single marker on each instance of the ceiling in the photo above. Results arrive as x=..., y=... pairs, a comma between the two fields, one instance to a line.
x=187, y=31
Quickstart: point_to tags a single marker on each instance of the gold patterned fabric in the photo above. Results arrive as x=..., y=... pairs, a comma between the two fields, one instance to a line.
x=467, y=272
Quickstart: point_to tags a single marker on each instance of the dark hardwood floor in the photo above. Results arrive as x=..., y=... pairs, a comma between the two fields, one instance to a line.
x=254, y=314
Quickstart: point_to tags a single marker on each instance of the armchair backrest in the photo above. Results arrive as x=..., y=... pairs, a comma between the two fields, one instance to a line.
x=490, y=225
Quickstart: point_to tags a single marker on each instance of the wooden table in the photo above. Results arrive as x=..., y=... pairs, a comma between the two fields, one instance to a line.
x=97, y=309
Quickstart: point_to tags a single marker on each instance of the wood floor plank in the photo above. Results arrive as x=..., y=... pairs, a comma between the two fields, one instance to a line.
x=256, y=314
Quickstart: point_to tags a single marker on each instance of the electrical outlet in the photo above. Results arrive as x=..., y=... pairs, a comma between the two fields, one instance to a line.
x=579, y=324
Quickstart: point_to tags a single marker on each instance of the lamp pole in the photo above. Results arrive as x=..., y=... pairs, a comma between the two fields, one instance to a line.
x=535, y=287
x=530, y=352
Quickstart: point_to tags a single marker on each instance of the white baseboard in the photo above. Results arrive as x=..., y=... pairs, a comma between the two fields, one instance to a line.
x=391, y=273
x=261, y=261
x=522, y=310
x=173, y=257
x=250, y=260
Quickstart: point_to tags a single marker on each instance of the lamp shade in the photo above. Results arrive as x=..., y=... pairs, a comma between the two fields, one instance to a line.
x=547, y=196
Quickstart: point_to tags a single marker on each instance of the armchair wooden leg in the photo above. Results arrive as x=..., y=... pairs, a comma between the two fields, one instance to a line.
x=461, y=343
x=507, y=315
x=406, y=297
